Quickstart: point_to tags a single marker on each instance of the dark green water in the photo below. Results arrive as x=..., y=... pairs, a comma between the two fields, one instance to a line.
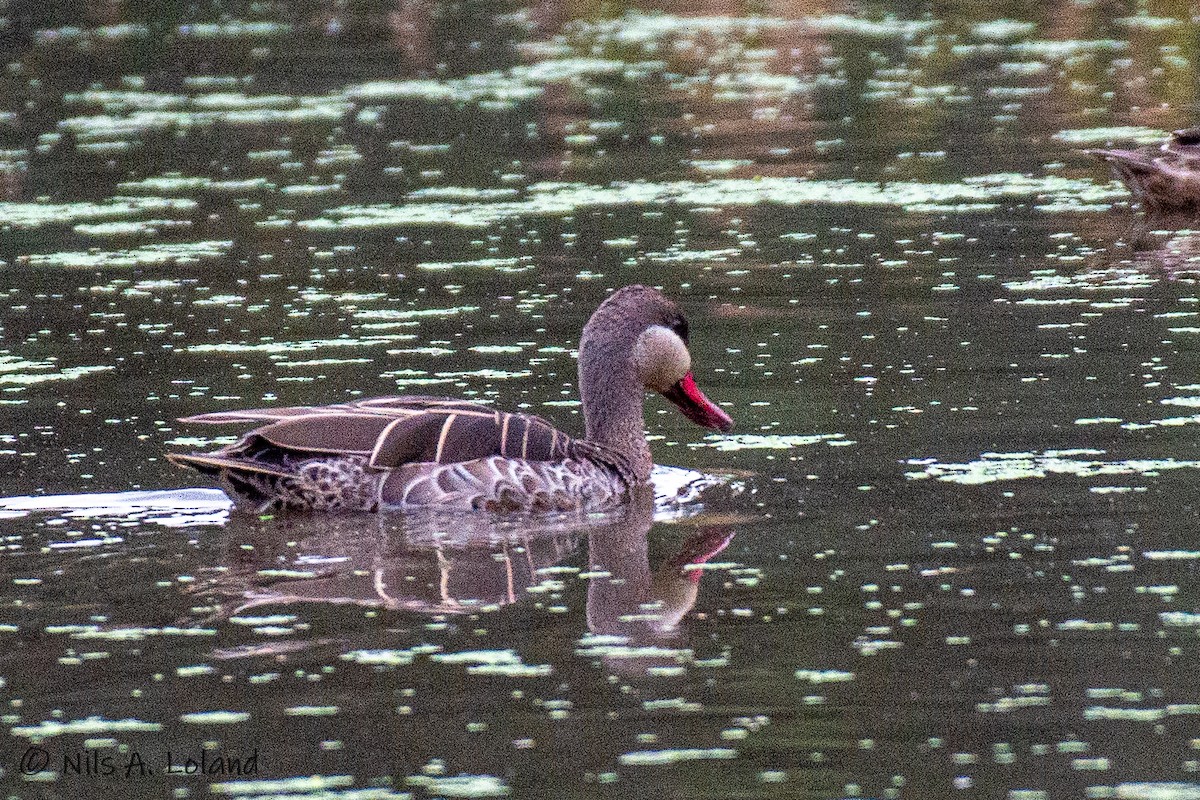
x=965, y=377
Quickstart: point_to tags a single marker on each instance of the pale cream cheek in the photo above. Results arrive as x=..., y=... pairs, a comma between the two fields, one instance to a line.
x=661, y=358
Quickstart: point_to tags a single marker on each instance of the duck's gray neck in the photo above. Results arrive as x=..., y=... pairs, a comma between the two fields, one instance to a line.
x=612, y=408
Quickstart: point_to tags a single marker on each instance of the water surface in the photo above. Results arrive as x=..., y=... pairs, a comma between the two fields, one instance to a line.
x=963, y=558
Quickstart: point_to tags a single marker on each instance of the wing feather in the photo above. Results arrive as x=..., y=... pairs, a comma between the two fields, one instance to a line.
x=408, y=439
x=257, y=415
x=401, y=405
x=392, y=431
x=348, y=433
x=441, y=445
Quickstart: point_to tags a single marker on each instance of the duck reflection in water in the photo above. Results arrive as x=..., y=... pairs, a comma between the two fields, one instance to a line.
x=625, y=598
x=447, y=565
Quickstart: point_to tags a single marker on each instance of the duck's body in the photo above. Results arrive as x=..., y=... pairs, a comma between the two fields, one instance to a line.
x=414, y=452
x=1164, y=179
x=407, y=452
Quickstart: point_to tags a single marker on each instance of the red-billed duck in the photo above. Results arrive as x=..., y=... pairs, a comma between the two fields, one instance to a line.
x=411, y=452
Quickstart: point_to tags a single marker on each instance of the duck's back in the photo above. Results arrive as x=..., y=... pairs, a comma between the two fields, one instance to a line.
x=405, y=452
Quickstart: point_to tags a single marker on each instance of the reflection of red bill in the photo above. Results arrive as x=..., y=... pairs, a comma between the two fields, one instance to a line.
x=696, y=407
x=699, y=549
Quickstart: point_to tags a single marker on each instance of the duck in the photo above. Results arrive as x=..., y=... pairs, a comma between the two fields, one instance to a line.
x=1165, y=179
x=412, y=452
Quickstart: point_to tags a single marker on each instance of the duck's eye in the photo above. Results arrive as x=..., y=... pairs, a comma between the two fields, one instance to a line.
x=1188, y=136
x=680, y=327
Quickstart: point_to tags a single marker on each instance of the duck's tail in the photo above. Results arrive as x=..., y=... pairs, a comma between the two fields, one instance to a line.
x=1122, y=161
x=216, y=463
x=253, y=486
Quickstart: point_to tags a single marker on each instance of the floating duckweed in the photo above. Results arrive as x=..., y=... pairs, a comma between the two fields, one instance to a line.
x=1059, y=49
x=1156, y=791
x=1148, y=22
x=274, y=619
x=36, y=215
x=993, y=467
x=479, y=657
x=150, y=227
x=90, y=726
x=888, y=27
x=412, y=313
x=561, y=199
x=305, y=786
x=215, y=717
x=521, y=264
x=168, y=184
x=824, y=675
x=663, y=758
x=750, y=441
x=234, y=29
x=1007, y=705
x=1003, y=29
x=623, y=651
x=104, y=33
x=511, y=670
x=673, y=704
x=198, y=669
x=390, y=658
x=1127, y=133
x=311, y=711
x=148, y=255
x=462, y=786
x=7, y=376
x=297, y=347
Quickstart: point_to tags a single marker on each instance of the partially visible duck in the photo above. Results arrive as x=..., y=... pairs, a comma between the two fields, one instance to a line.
x=1164, y=179
x=411, y=452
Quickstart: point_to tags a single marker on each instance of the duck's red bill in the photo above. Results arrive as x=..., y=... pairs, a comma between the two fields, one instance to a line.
x=696, y=407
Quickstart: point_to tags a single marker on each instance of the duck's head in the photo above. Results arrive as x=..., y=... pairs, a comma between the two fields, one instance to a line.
x=1186, y=137
x=638, y=332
